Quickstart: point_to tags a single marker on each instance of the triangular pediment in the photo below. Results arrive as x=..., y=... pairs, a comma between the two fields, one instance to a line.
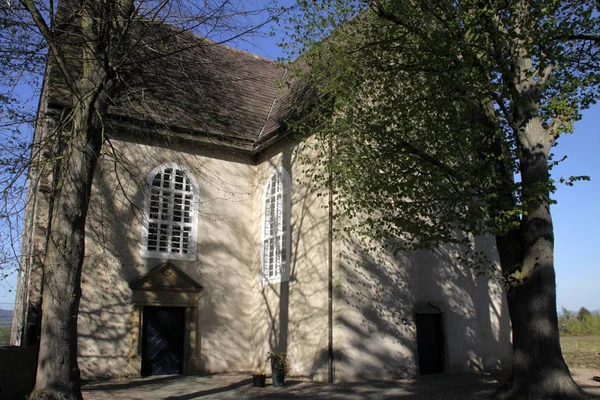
x=166, y=277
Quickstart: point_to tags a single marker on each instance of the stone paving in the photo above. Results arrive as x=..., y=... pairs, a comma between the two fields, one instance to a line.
x=239, y=386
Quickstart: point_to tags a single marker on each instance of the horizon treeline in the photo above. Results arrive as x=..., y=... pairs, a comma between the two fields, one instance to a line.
x=582, y=322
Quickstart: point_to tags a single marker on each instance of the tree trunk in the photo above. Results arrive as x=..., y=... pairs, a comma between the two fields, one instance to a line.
x=527, y=257
x=538, y=368
x=58, y=373
x=76, y=151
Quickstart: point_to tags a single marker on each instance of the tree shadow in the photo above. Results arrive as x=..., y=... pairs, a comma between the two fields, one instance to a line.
x=382, y=292
x=240, y=317
x=208, y=392
x=113, y=257
x=292, y=316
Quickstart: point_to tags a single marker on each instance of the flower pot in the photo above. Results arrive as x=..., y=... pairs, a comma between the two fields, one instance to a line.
x=259, y=380
x=278, y=375
x=278, y=378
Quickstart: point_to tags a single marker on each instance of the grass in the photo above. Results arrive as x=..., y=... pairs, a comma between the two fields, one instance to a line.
x=581, y=351
x=4, y=335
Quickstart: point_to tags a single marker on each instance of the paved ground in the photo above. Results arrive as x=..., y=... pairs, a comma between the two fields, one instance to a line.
x=239, y=386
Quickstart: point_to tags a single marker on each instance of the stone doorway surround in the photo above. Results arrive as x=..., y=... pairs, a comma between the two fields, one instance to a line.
x=165, y=286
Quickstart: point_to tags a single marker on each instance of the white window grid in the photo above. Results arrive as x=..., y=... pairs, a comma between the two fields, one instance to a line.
x=170, y=224
x=276, y=228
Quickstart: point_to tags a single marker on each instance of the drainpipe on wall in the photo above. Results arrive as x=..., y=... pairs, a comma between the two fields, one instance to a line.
x=330, y=266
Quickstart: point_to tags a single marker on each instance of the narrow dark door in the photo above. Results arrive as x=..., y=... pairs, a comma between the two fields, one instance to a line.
x=162, y=341
x=430, y=343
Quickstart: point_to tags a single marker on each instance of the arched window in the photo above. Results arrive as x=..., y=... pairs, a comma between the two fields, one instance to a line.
x=170, y=211
x=276, y=228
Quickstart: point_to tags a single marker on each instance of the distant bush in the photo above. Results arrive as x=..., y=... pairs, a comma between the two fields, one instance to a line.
x=583, y=322
x=583, y=313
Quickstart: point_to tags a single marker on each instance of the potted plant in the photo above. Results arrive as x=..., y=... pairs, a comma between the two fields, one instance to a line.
x=279, y=367
x=259, y=378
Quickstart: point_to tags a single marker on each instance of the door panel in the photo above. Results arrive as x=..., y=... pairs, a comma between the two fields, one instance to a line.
x=430, y=343
x=162, y=340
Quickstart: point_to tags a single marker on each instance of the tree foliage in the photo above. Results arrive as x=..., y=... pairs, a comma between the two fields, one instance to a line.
x=583, y=313
x=440, y=117
x=428, y=91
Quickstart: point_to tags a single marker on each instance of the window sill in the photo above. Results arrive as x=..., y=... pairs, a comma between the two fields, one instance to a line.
x=167, y=256
x=278, y=279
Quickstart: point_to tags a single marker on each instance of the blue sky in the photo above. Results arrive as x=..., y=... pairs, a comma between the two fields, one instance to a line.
x=576, y=216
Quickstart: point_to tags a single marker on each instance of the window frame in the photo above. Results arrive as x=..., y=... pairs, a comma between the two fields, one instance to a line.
x=286, y=197
x=191, y=255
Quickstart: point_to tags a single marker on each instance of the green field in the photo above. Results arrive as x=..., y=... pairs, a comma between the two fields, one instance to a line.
x=581, y=351
x=4, y=335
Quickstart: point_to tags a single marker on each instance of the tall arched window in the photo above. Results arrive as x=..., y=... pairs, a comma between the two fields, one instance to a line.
x=171, y=218
x=276, y=227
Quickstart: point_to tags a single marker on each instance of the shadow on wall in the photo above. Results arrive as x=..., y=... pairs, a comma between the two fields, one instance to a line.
x=106, y=303
x=376, y=299
x=292, y=316
x=223, y=265
x=475, y=314
x=241, y=318
x=381, y=295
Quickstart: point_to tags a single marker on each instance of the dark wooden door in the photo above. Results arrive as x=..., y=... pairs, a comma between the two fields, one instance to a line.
x=162, y=340
x=430, y=343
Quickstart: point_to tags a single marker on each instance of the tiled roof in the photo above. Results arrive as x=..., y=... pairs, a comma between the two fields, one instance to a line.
x=180, y=84
x=207, y=89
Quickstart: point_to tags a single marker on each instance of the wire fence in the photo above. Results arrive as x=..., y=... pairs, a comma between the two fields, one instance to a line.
x=6, y=316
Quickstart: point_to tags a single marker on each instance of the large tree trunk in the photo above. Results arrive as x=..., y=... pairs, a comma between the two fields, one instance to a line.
x=76, y=149
x=58, y=372
x=538, y=368
x=527, y=257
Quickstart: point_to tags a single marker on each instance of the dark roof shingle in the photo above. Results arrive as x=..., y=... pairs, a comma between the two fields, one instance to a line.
x=177, y=82
x=199, y=86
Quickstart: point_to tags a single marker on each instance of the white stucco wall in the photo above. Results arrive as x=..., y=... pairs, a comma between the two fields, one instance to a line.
x=381, y=293
x=474, y=310
x=224, y=265
x=376, y=295
x=292, y=316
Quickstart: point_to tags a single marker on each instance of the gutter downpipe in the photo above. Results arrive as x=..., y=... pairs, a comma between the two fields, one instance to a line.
x=330, y=264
